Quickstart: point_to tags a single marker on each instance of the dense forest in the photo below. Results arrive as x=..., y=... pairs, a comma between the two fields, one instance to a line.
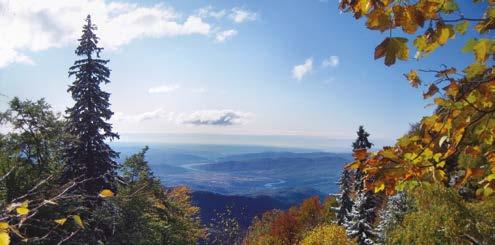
x=60, y=181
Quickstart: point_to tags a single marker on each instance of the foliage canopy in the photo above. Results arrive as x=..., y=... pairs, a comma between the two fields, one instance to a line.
x=454, y=145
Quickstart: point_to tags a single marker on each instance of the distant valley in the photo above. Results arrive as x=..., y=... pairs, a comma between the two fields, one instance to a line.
x=248, y=180
x=243, y=170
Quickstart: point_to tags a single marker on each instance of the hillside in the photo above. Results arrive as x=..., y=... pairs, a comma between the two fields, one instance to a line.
x=243, y=208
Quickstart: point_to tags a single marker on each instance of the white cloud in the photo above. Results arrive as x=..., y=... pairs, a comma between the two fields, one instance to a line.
x=163, y=89
x=332, y=61
x=8, y=56
x=299, y=71
x=210, y=12
x=225, y=35
x=215, y=118
x=159, y=113
x=197, y=118
x=33, y=25
x=240, y=15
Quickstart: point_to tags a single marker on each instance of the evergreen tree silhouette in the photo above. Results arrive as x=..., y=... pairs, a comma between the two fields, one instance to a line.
x=362, y=140
x=90, y=157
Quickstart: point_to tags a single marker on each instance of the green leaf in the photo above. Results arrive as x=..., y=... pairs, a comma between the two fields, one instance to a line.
x=389, y=153
x=481, y=50
x=474, y=70
x=420, y=43
x=443, y=35
x=461, y=27
x=490, y=13
x=468, y=47
x=78, y=220
x=449, y=6
x=488, y=191
x=490, y=177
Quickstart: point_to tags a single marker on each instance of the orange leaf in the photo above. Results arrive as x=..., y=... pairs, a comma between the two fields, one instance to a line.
x=360, y=154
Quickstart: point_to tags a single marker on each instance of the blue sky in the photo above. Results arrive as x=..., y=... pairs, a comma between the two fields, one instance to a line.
x=298, y=68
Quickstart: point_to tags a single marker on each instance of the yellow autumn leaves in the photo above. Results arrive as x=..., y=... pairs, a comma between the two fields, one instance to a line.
x=327, y=234
x=77, y=220
x=106, y=193
x=458, y=138
x=22, y=209
x=392, y=48
x=409, y=18
x=4, y=233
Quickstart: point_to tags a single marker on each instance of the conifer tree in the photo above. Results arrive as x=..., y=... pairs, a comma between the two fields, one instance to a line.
x=344, y=198
x=351, y=180
x=362, y=140
x=360, y=220
x=90, y=156
x=363, y=215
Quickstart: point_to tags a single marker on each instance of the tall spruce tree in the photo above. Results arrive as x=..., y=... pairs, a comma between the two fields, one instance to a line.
x=362, y=141
x=90, y=157
x=344, y=198
x=360, y=220
x=349, y=180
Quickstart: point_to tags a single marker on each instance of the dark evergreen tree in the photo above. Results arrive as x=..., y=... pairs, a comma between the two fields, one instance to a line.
x=90, y=157
x=344, y=198
x=362, y=140
x=362, y=218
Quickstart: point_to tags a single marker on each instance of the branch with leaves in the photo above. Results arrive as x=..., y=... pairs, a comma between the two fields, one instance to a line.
x=455, y=145
x=24, y=210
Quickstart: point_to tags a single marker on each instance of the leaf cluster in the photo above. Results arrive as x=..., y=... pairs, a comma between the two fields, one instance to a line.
x=455, y=145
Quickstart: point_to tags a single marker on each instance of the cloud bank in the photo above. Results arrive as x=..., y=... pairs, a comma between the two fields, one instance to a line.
x=34, y=25
x=225, y=35
x=240, y=15
x=215, y=118
x=197, y=118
